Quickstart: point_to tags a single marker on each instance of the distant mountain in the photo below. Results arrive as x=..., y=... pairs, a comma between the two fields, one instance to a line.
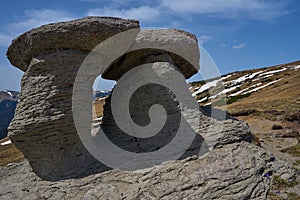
x=101, y=93
x=8, y=103
x=9, y=95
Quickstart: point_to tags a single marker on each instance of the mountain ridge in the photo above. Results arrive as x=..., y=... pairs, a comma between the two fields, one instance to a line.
x=8, y=103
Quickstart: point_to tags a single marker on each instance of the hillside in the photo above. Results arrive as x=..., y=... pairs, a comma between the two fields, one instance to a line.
x=276, y=84
x=268, y=99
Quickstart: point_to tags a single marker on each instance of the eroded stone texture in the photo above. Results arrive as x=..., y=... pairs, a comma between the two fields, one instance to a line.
x=43, y=127
x=209, y=131
x=235, y=171
x=176, y=41
x=81, y=34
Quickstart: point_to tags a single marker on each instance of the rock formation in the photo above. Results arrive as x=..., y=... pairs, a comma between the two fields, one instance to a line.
x=44, y=129
x=237, y=171
x=51, y=56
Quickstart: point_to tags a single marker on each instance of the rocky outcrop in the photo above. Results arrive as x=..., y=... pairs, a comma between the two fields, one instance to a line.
x=186, y=42
x=51, y=56
x=59, y=165
x=43, y=127
x=81, y=35
x=235, y=171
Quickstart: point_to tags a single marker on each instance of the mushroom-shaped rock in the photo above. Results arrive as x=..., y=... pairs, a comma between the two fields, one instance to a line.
x=163, y=45
x=81, y=35
x=43, y=127
x=52, y=56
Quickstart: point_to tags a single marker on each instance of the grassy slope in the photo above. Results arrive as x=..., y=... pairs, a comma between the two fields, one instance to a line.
x=9, y=153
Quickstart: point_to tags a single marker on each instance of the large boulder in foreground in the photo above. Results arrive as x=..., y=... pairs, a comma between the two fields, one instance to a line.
x=43, y=127
x=60, y=167
x=235, y=171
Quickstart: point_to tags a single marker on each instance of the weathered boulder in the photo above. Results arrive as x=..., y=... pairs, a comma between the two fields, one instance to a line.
x=60, y=167
x=43, y=127
x=235, y=171
x=215, y=127
x=81, y=35
x=176, y=41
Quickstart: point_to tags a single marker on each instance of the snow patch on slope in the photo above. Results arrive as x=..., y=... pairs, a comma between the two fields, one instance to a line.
x=6, y=143
x=206, y=86
x=224, y=91
x=261, y=87
x=273, y=71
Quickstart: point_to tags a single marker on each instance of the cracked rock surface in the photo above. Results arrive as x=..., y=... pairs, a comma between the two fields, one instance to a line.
x=43, y=127
x=59, y=167
x=235, y=171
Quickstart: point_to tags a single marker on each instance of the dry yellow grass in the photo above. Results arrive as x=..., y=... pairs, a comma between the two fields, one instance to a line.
x=9, y=153
x=98, y=107
x=283, y=96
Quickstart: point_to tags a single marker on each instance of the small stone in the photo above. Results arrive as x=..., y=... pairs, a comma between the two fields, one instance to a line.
x=277, y=127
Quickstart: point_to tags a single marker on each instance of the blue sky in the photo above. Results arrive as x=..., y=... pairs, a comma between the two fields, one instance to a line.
x=238, y=34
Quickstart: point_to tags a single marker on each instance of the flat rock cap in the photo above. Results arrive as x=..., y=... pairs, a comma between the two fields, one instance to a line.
x=160, y=45
x=163, y=45
x=80, y=34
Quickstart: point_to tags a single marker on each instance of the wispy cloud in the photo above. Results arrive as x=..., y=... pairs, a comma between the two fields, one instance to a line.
x=223, y=45
x=31, y=19
x=35, y=18
x=240, y=46
x=115, y=1
x=171, y=12
x=143, y=13
x=204, y=39
x=250, y=9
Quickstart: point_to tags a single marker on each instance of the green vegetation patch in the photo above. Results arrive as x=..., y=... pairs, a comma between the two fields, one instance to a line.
x=293, y=150
x=220, y=102
x=267, y=80
x=280, y=184
x=293, y=196
x=196, y=83
x=237, y=97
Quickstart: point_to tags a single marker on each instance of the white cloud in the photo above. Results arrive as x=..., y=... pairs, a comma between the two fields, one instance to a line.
x=204, y=39
x=251, y=9
x=223, y=45
x=143, y=13
x=240, y=46
x=35, y=18
x=31, y=19
x=114, y=1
